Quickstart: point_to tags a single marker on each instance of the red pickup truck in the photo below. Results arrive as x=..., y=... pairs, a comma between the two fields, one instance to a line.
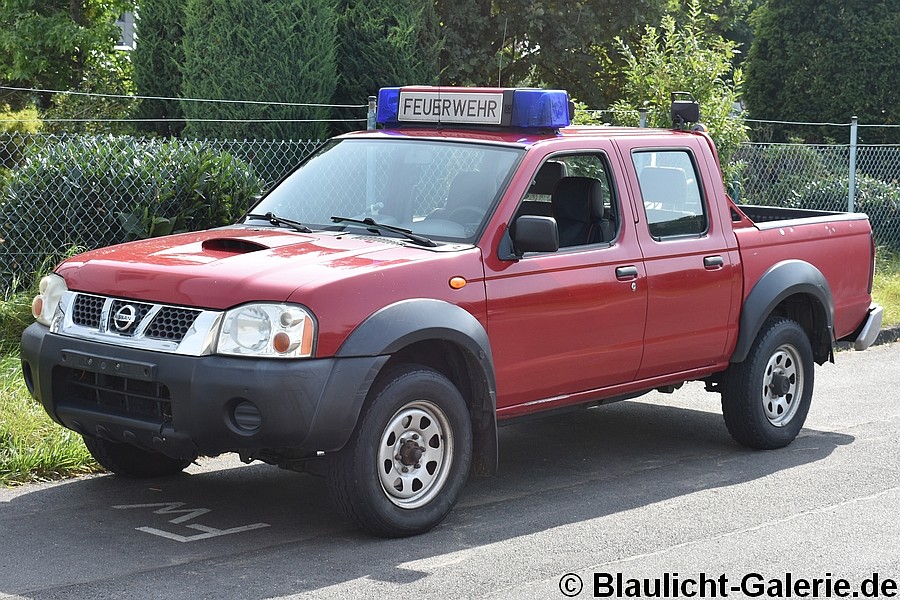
x=385, y=306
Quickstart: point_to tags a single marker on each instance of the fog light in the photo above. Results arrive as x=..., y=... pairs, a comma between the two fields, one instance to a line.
x=246, y=417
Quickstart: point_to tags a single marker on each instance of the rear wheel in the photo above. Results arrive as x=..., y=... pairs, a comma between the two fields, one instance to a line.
x=129, y=461
x=408, y=459
x=766, y=397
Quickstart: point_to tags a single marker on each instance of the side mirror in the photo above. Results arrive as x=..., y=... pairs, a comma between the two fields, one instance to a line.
x=535, y=234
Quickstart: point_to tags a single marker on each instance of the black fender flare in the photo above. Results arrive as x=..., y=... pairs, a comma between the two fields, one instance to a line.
x=780, y=281
x=407, y=322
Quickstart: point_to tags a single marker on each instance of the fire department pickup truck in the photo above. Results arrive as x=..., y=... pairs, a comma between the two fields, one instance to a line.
x=384, y=307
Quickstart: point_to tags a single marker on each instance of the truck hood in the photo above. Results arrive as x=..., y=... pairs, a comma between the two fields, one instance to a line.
x=222, y=268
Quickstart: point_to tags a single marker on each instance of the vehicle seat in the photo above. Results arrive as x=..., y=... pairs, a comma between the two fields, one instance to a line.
x=547, y=177
x=663, y=187
x=468, y=190
x=577, y=204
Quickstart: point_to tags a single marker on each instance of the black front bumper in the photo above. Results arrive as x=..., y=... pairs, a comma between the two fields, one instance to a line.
x=183, y=406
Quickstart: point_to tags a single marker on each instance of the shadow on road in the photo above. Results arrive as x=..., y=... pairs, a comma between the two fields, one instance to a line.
x=68, y=540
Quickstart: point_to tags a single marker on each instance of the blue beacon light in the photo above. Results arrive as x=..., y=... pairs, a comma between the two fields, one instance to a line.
x=514, y=108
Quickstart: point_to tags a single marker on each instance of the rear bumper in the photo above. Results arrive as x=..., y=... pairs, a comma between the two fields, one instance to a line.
x=870, y=329
x=183, y=406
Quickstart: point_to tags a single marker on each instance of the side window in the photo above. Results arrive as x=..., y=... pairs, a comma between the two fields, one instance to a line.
x=672, y=196
x=577, y=191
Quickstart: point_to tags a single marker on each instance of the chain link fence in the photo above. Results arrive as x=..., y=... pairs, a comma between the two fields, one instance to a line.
x=817, y=177
x=64, y=191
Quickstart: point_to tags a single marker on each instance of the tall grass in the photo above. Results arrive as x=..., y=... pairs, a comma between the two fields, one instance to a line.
x=886, y=290
x=32, y=447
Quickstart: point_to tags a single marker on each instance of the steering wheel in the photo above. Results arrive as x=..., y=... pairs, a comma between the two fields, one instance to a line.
x=466, y=214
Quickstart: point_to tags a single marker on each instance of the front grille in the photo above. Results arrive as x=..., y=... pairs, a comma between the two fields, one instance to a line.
x=171, y=323
x=112, y=394
x=87, y=310
x=125, y=316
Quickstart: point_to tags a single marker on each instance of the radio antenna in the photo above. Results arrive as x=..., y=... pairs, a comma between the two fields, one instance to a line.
x=500, y=54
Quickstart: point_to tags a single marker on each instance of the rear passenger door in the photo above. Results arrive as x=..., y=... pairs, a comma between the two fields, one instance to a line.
x=566, y=323
x=692, y=268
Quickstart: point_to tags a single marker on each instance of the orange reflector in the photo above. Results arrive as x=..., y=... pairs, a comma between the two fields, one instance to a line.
x=37, y=306
x=458, y=283
x=282, y=342
x=306, y=340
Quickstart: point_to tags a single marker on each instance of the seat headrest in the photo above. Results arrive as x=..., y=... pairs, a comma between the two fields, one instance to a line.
x=664, y=185
x=547, y=177
x=470, y=188
x=577, y=199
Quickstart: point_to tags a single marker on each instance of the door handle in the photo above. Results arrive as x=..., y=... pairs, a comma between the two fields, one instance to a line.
x=713, y=262
x=626, y=273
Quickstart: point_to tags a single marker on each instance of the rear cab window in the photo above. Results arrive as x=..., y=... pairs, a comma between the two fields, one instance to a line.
x=672, y=196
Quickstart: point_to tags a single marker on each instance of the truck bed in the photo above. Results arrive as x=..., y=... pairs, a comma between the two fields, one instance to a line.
x=768, y=214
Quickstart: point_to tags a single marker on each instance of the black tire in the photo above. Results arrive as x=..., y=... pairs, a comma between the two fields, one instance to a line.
x=126, y=460
x=410, y=410
x=766, y=397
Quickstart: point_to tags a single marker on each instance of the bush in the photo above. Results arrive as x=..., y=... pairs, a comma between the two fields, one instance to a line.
x=775, y=175
x=876, y=198
x=97, y=191
x=15, y=127
x=684, y=57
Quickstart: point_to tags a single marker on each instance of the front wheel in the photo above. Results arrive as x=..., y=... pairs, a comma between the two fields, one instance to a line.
x=408, y=459
x=130, y=461
x=766, y=397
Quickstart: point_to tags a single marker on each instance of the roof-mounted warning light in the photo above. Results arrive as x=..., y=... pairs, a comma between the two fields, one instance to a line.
x=684, y=111
x=518, y=108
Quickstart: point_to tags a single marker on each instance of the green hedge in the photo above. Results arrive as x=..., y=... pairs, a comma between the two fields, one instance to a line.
x=878, y=199
x=96, y=191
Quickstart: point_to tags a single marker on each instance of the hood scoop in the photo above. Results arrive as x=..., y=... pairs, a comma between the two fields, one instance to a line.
x=232, y=246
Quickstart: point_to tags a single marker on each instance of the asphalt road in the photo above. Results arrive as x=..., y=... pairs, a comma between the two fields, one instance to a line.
x=642, y=488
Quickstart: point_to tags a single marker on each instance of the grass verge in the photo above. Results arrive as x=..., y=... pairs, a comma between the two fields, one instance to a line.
x=32, y=447
x=886, y=289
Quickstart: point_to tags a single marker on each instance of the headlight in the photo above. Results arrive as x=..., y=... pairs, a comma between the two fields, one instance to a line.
x=44, y=305
x=271, y=330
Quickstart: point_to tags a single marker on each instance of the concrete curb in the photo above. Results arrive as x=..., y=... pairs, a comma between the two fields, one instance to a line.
x=887, y=336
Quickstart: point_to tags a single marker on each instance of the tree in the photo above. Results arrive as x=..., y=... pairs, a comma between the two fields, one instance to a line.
x=726, y=18
x=682, y=57
x=158, y=57
x=555, y=43
x=109, y=75
x=389, y=43
x=825, y=61
x=279, y=51
x=47, y=44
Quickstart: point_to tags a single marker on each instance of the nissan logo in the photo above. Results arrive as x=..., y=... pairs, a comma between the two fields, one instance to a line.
x=124, y=317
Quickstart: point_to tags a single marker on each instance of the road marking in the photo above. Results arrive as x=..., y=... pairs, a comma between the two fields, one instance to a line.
x=168, y=508
x=208, y=532
x=187, y=514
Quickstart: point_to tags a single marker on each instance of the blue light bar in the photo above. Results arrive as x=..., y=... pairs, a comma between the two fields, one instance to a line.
x=526, y=108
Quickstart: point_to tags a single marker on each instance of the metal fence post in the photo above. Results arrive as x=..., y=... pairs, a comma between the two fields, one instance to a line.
x=370, y=117
x=643, y=121
x=851, y=198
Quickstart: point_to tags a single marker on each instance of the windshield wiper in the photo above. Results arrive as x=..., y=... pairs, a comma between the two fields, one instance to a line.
x=370, y=224
x=276, y=221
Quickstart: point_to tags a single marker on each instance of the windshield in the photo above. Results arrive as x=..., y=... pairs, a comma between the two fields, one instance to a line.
x=437, y=189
